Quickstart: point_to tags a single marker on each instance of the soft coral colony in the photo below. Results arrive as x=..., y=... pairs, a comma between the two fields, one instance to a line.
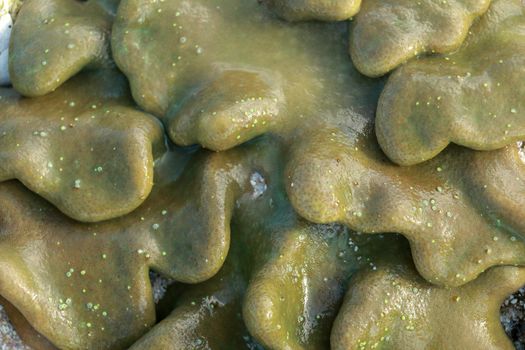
x=312, y=174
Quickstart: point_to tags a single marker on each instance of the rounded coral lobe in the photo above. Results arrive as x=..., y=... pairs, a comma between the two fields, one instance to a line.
x=323, y=10
x=280, y=196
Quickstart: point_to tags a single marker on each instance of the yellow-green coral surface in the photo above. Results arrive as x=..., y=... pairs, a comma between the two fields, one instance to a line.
x=84, y=147
x=325, y=10
x=392, y=308
x=89, y=278
x=474, y=97
x=386, y=33
x=53, y=40
x=257, y=184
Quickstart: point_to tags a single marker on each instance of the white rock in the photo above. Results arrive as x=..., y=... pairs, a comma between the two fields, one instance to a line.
x=6, y=24
x=258, y=184
x=4, y=68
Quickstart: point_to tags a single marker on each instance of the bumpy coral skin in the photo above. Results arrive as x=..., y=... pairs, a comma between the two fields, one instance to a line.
x=91, y=281
x=206, y=316
x=294, y=315
x=393, y=308
x=387, y=33
x=294, y=296
x=277, y=76
x=474, y=97
x=457, y=217
x=284, y=276
x=331, y=130
x=324, y=10
x=213, y=116
x=53, y=40
x=84, y=147
x=291, y=276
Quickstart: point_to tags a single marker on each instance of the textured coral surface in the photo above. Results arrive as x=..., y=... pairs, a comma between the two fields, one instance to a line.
x=198, y=174
x=473, y=97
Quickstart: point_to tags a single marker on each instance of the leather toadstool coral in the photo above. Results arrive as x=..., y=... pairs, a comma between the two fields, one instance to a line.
x=394, y=308
x=53, y=40
x=386, y=33
x=241, y=156
x=473, y=97
x=89, y=278
x=69, y=146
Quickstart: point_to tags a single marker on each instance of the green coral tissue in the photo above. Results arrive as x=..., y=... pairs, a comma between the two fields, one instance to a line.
x=272, y=174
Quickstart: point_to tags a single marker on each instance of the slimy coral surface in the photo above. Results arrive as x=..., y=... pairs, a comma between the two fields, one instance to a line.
x=242, y=151
x=55, y=39
x=324, y=10
x=474, y=97
x=94, y=113
x=388, y=33
x=395, y=309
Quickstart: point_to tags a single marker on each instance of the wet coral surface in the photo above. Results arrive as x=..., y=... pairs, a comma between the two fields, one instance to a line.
x=469, y=97
x=232, y=174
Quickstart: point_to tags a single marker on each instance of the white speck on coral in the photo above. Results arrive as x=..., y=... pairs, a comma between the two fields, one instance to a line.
x=159, y=285
x=258, y=184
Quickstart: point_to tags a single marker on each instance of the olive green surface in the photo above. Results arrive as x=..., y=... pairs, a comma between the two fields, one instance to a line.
x=52, y=40
x=236, y=107
x=474, y=97
x=206, y=316
x=292, y=299
x=84, y=147
x=90, y=281
x=293, y=311
x=394, y=308
x=387, y=33
x=203, y=52
x=281, y=284
x=290, y=277
x=219, y=74
x=459, y=218
x=323, y=10
x=336, y=172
